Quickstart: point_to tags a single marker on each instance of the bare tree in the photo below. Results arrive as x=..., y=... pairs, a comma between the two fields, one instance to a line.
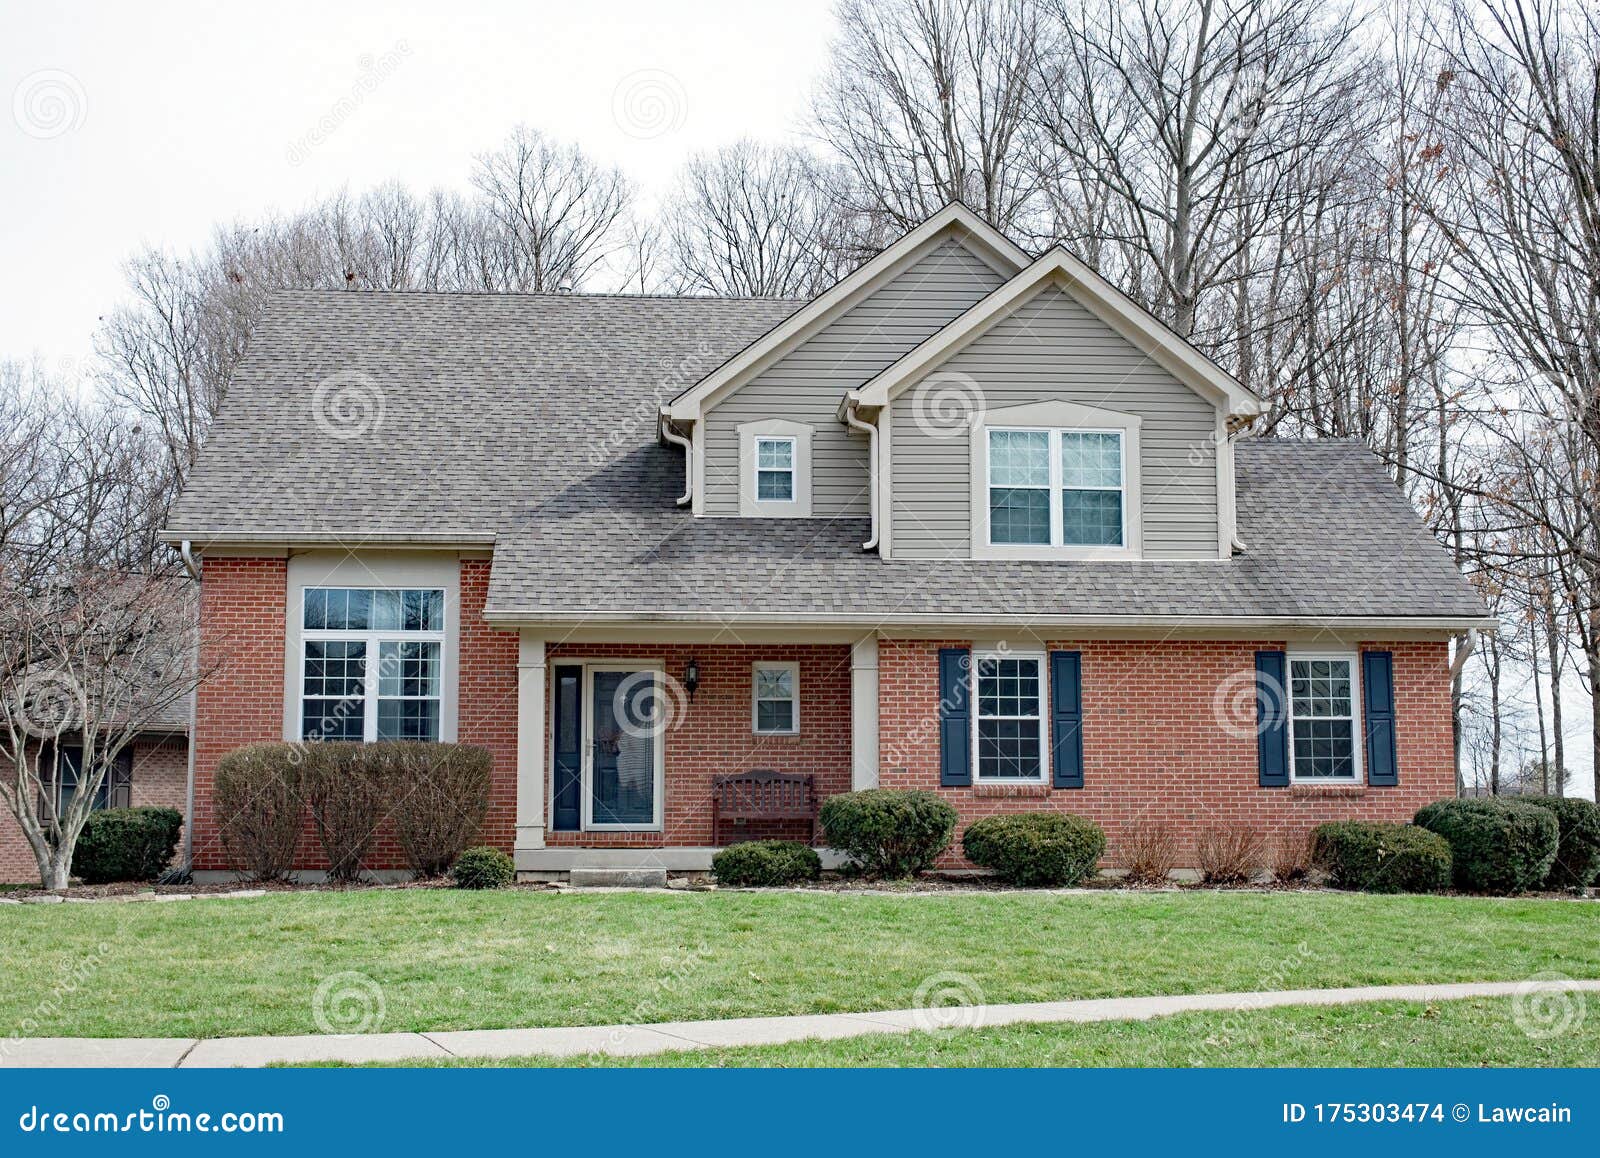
x=925, y=102
x=561, y=212
x=751, y=221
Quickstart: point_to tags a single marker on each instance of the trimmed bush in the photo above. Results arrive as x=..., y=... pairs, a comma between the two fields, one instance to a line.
x=889, y=832
x=1382, y=858
x=347, y=799
x=1577, y=860
x=437, y=795
x=1151, y=852
x=1049, y=849
x=1229, y=854
x=1497, y=845
x=483, y=868
x=126, y=844
x=766, y=864
x=259, y=808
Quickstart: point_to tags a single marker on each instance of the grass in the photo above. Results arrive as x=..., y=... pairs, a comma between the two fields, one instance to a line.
x=452, y=960
x=1475, y=1032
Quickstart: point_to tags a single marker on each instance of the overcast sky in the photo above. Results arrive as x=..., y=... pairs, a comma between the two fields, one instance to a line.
x=134, y=124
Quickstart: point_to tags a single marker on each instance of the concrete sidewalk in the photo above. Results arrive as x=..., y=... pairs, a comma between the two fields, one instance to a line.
x=666, y=1036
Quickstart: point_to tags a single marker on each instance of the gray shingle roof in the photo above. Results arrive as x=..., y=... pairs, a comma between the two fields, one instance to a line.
x=530, y=420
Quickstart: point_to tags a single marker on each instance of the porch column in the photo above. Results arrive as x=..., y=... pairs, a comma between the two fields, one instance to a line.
x=530, y=742
x=864, y=713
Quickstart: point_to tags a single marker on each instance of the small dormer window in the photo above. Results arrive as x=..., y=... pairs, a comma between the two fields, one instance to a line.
x=775, y=470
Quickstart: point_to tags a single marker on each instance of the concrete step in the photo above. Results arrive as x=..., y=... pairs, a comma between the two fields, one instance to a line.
x=618, y=878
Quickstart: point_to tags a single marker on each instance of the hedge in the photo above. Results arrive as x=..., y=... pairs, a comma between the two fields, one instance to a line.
x=259, y=808
x=766, y=864
x=1497, y=844
x=126, y=844
x=889, y=832
x=1577, y=862
x=1382, y=858
x=1051, y=849
x=483, y=868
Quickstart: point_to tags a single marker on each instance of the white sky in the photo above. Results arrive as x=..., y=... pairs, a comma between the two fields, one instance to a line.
x=185, y=114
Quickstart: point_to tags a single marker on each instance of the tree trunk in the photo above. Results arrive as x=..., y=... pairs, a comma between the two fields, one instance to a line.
x=1558, y=769
x=55, y=871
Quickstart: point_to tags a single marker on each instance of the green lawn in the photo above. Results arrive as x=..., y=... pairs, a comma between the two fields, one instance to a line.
x=1474, y=1032
x=452, y=960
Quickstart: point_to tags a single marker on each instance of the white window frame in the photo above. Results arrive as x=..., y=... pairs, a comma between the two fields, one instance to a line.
x=1357, y=731
x=1057, y=485
x=799, y=437
x=792, y=470
x=1044, y=716
x=1055, y=419
x=755, y=705
x=372, y=639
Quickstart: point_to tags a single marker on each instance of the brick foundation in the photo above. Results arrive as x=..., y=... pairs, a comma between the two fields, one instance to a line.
x=1163, y=741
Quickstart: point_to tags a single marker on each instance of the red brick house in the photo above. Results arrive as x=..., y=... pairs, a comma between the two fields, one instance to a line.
x=970, y=521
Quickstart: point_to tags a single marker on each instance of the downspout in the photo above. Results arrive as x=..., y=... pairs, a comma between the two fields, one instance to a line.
x=193, y=567
x=664, y=427
x=1237, y=546
x=1463, y=651
x=851, y=401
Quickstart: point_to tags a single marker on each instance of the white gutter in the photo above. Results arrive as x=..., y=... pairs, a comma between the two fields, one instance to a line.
x=1463, y=651
x=664, y=427
x=848, y=413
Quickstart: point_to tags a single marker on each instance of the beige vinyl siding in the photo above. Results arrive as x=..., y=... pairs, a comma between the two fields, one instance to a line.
x=807, y=383
x=1052, y=348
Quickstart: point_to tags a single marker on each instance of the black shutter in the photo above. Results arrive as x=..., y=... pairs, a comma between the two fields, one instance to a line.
x=1272, y=727
x=1066, y=718
x=567, y=782
x=955, y=716
x=1377, y=687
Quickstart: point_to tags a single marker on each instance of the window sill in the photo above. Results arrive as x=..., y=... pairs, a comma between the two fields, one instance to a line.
x=1328, y=791
x=1011, y=791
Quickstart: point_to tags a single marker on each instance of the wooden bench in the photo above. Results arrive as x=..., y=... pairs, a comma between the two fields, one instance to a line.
x=763, y=795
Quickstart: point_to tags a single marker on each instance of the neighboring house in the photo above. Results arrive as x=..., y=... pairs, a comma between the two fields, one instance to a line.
x=152, y=771
x=507, y=520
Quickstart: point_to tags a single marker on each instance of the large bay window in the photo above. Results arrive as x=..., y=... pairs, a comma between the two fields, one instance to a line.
x=371, y=663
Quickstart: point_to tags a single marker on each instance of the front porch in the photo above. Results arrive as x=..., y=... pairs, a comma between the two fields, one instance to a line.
x=619, y=743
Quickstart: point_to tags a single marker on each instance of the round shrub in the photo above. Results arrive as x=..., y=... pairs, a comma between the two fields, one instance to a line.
x=1497, y=845
x=126, y=844
x=766, y=864
x=1578, y=835
x=260, y=809
x=438, y=795
x=889, y=832
x=483, y=868
x=1050, y=849
x=1382, y=858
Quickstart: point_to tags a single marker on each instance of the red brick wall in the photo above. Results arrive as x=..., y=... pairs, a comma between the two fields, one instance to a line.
x=1157, y=748
x=160, y=780
x=712, y=735
x=487, y=701
x=242, y=613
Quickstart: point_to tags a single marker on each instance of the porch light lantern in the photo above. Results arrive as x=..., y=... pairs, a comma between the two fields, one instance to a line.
x=691, y=676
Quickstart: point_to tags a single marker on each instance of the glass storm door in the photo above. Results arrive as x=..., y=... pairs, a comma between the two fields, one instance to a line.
x=623, y=771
